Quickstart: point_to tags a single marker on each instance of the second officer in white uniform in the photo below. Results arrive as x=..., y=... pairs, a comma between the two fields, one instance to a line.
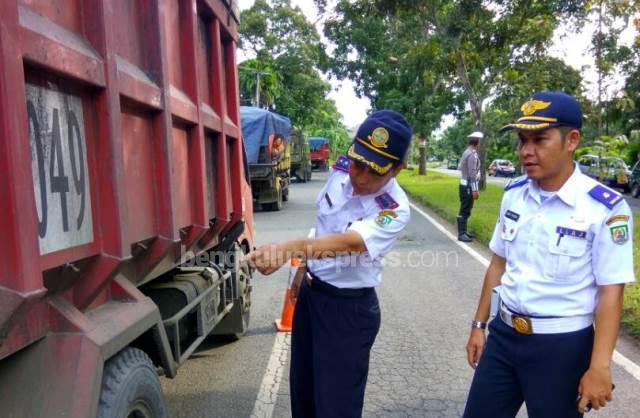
x=361, y=212
x=562, y=253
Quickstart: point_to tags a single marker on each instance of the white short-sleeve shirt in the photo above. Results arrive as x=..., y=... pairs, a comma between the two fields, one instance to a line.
x=378, y=218
x=558, y=250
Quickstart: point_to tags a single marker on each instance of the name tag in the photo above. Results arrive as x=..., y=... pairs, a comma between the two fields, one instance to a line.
x=512, y=215
x=561, y=230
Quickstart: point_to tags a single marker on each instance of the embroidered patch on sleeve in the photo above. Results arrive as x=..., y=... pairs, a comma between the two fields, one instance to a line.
x=620, y=234
x=617, y=218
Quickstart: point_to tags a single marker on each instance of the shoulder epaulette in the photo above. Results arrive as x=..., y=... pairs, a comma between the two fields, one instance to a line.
x=606, y=196
x=342, y=163
x=385, y=201
x=517, y=182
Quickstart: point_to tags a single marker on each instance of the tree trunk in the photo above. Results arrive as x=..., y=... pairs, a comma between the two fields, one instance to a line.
x=476, y=111
x=422, y=163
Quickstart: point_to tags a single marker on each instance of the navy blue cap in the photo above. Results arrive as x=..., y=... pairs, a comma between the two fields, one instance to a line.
x=546, y=110
x=381, y=141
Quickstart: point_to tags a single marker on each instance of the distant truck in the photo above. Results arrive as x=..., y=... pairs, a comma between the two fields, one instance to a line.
x=266, y=138
x=124, y=214
x=300, y=156
x=319, y=152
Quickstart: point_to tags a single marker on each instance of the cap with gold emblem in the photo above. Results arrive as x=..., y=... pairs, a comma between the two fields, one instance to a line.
x=546, y=110
x=381, y=141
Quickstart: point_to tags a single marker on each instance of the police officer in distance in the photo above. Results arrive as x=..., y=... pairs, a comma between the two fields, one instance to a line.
x=562, y=254
x=469, y=167
x=361, y=212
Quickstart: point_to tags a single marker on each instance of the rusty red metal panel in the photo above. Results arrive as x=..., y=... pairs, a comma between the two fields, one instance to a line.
x=126, y=146
x=205, y=59
x=139, y=168
x=18, y=224
x=129, y=38
x=181, y=162
x=175, y=37
x=66, y=13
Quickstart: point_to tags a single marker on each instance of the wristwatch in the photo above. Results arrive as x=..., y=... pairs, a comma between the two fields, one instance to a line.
x=478, y=324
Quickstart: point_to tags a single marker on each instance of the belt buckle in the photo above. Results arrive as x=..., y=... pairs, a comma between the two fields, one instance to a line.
x=522, y=324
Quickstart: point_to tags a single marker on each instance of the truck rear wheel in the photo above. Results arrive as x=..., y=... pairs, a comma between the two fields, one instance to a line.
x=274, y=206
x=131, y=387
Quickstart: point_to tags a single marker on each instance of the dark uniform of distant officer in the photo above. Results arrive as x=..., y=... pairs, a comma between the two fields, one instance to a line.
x=469, y=167
x=562, y=255
x=361, y=212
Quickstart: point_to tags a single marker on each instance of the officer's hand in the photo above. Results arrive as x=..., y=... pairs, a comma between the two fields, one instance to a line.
x=267, y=259
x=475, y=195
x=595, y=387
x=475, y=346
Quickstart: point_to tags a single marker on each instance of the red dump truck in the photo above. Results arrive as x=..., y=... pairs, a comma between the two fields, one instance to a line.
x=319, y=147
x=124, y=200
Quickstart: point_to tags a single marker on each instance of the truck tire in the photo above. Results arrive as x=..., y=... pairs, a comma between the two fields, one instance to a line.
x=308, y=175
x=131, y=387
x=274, y=206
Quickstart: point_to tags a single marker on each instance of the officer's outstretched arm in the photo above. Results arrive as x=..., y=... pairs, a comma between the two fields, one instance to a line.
x=475, y=345
x=595, y=385
x=269, y=258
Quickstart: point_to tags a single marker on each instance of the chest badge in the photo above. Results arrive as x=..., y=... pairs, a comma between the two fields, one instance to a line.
x=385, y=217
x=385, y=201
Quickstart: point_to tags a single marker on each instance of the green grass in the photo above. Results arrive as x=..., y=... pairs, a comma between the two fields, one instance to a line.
x=631, y=314
x=439, y=192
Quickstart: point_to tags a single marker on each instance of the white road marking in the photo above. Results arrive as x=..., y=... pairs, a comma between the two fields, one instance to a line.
x=631, y=368
x=268, y=394
x=628, y=365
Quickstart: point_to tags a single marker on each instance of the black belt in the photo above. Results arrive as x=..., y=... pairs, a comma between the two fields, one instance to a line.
x=318, y=285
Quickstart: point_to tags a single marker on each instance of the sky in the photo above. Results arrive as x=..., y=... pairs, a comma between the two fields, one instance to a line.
x=569, y=44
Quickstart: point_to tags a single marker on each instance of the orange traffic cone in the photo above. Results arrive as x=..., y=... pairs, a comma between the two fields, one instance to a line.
x=285, y=322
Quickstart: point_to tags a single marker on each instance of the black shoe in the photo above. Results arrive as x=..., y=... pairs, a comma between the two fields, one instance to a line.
x=462, y=233
x=463, y=227
x=464, y=238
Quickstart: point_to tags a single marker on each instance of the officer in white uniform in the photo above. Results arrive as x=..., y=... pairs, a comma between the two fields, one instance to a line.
x=361, y=212
x=562, y=254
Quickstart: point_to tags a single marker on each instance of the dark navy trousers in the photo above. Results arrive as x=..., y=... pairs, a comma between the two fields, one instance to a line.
x=330, y=345
x=542, y=370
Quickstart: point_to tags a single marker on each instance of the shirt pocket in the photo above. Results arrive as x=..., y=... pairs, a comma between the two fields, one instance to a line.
x=508, y=234
x=566, y=257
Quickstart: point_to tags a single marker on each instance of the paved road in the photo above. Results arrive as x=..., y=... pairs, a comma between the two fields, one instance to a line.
x=418, y=365
x=634, y=203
